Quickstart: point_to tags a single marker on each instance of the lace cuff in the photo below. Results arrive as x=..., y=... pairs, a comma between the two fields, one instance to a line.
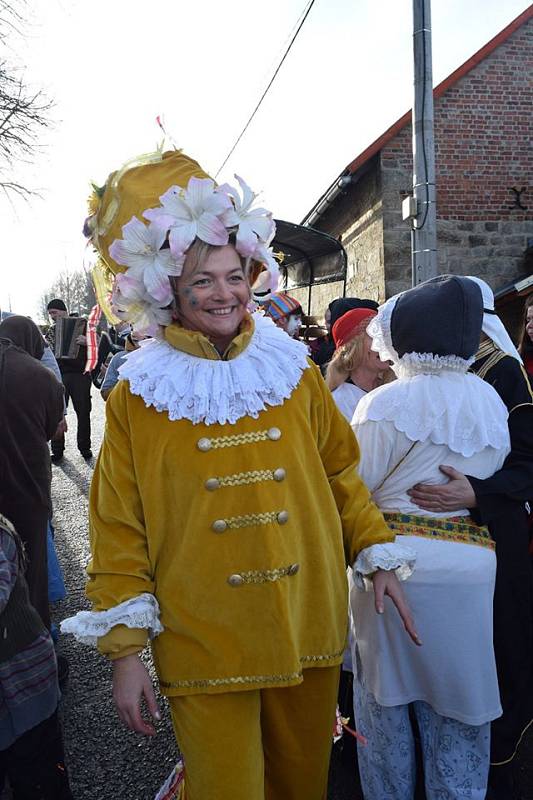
x=387, y=556
x=137, y=612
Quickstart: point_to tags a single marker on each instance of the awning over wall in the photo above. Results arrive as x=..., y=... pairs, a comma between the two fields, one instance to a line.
x=518, y=288
x=310, y=256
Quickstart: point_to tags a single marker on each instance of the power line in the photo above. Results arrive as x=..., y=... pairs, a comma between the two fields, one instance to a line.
x=304, y=16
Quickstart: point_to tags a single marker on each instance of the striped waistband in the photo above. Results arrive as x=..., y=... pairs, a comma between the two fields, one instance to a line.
x=448, y=529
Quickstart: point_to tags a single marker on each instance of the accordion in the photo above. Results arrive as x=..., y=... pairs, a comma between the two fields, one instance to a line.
x=67, y=331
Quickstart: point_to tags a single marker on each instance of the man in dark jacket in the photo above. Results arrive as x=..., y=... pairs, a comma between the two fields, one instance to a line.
x=77, y=385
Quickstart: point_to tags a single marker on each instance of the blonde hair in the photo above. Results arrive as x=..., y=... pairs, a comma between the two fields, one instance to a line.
x=348, y=357
x=345, y=360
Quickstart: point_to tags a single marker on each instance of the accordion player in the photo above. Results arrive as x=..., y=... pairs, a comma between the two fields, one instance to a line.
x=67, y=331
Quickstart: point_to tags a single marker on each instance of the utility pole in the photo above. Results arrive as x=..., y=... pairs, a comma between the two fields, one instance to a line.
x=421, y=209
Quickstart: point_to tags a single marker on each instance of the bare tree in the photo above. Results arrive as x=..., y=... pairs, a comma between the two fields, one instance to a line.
x=76, y=291
x=23, y=112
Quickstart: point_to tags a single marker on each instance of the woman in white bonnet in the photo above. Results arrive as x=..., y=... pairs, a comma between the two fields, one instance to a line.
x=434, y=413
x=499, y=501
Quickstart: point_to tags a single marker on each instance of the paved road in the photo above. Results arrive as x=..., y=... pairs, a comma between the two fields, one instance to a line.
x=105, y=760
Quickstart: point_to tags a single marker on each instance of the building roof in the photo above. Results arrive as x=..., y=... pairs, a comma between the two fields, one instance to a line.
x=438, y=91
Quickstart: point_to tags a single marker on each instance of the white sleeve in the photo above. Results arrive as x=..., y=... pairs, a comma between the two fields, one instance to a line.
x=137, y=612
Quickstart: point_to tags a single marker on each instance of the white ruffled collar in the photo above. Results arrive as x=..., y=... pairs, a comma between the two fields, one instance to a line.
x=460, y=411
x=202, y=390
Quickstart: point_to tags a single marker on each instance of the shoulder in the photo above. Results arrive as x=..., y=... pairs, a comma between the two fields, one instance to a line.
x=349, y=390
x=21, y=363
x=511, y=382
x=117, y=359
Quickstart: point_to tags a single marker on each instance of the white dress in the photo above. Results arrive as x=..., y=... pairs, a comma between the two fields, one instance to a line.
x=347, y=396
x=450, y=592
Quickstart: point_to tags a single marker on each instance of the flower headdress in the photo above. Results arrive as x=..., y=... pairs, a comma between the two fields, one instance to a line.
x=193, y=207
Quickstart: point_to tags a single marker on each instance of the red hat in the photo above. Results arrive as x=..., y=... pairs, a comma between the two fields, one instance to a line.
x=350, y=324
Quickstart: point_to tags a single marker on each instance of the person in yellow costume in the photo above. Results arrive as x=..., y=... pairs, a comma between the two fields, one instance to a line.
x=225, y=502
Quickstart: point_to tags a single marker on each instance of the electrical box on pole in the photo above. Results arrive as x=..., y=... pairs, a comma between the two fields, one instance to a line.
x=422, y=209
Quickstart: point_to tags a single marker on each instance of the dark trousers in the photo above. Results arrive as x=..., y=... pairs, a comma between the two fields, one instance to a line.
x=35, y=764
x=77, y=387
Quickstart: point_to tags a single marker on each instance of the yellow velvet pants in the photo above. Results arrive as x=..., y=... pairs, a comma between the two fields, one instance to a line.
x=265, y=744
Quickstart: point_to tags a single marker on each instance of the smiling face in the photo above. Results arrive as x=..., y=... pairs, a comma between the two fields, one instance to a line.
x=212, y=293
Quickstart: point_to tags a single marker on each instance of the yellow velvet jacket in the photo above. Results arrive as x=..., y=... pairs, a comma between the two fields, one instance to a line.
x=241, y=531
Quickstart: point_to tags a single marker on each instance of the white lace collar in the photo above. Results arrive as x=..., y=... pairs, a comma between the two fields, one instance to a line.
x=201, y=390
x=460, y=411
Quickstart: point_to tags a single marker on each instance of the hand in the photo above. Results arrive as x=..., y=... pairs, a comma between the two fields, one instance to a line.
x=131, y=682
x=81, y=339
x=452, y=496
x=386, y=583
x=61, y=429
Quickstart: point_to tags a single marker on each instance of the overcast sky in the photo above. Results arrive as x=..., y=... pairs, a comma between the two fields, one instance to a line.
x=111, y=66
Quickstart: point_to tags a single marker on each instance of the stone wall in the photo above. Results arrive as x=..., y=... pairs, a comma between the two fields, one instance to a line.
x=356, y=218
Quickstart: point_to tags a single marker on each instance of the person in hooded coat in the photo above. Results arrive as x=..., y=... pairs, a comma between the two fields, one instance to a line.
x=31, y=407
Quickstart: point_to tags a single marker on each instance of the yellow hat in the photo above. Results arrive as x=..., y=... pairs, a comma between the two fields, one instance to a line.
x=138, y=210
x=131, y=190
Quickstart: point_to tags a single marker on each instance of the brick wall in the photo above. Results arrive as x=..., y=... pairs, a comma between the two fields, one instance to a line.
x=482, y=148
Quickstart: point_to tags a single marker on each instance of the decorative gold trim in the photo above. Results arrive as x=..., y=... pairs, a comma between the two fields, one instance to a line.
x=526, y=378
x=237, y=439
x=267, y=575
x=508, y=760
x=520, y=405
x=235, y=681
x=247, y=520
x=238, y=680
x=246, y=478
x=485, y=349
x=495, y=356
x=491, y=362
x=328, y=657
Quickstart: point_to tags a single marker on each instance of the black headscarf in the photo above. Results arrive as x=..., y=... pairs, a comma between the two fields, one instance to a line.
x=339, y=307
x=23, y=333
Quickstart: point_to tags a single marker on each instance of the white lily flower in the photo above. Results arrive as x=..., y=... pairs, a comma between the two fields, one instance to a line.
x=140, y=251
x=253, y=225
x=131, y=302
x=265, y=256
x=192, y=213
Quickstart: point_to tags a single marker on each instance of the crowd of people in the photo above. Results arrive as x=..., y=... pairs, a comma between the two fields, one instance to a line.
x=265, y=511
